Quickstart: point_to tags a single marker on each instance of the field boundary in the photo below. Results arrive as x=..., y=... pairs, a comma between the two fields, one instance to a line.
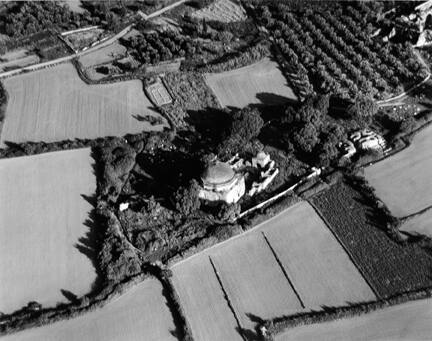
x=227, y=299
x=279, y=325
x=283, y=270
x=350, y=256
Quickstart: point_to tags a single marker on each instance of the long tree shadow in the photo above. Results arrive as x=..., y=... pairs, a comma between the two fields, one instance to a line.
x=90, y=243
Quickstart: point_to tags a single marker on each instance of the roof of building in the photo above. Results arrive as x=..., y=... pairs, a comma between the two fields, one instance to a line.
x=218, y=173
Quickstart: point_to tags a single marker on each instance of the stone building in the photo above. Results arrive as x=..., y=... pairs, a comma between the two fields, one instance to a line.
x=221, y=183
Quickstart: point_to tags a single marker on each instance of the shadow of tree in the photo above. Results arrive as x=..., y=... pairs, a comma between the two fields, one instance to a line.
x=70, y=296
x=89, y=244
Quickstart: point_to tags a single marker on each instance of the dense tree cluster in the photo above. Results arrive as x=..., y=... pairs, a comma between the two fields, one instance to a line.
x=29, y=17
x=332, y=49
x=152, y=48
x=246, y=125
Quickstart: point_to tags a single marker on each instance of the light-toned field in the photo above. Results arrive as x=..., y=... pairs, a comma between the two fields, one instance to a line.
x=55, y=104
x=140, y=314
x=254, y=281
x=221, y=10
x=103, y=55
x=421, y=224
x=17, y=58
x=318, y=266
x=42, y=219
x=203, y=301
x=74, y=5
x=409, y=321
x=403, y=181
x=258, y=83
x=21, y=62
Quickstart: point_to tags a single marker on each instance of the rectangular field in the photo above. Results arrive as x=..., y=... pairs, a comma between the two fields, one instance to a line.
x=403, y=180
x=254, y=281
x=203, y=301
x=389, y=267
x=55, y=104
x=43, y=226
x=259, y=83
x=290, y=260
x=140, y=314
x=318, y=266
x=408, y=321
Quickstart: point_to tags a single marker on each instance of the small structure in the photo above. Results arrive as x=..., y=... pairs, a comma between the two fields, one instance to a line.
x=221, y=183
x=368, y=140
x=157, y=93
x=267, y=172
x=123, y=206
x=347, y=148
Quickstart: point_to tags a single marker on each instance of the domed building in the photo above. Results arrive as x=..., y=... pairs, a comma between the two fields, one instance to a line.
x=221, y=183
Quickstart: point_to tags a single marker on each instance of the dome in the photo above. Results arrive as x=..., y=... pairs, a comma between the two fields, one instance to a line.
x=218, y=173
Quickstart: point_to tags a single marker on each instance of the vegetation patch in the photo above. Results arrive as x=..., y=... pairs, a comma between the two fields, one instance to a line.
x=389, y=267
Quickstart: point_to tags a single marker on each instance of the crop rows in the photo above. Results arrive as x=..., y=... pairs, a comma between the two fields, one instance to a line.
x=389, y=267
x=334, y=49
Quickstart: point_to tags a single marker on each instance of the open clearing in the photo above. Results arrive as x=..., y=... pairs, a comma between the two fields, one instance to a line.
x=55, y=104
x=318, y=266
x=409, y=321
x=254, y=282
x=140, y=314
x=221, y=10
x=258, y=83
x=103, y=55
x=403, y=181
x=42, y=218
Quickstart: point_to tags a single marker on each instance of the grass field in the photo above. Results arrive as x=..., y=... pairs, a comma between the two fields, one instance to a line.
x=55, y=104
x=42, y=219
x=421, y=224
x=140, y=314
x=251, y=284
x=103, y=55
x=254, y=281
x=403, y=181
x=309, y=251
x=221, y=10
x=203, y=301
x=258, y=83
x=409, y=321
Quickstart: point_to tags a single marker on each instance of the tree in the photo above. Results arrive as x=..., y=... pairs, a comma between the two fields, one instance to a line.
x=364, y=107
x=307, y=138
x=247, y=123
x=186, y=199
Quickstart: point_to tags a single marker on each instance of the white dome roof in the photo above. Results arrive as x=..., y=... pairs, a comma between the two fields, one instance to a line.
x=218, y=173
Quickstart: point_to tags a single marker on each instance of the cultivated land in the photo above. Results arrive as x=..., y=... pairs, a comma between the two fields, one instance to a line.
x=318, y=266
x=403, y=181
x=255, y=283
x=221, y=10
x=258, y=83
x=141, y=314
x=409, y=321
x=203, y=301
x=421, y=223
x=55, y=104
x=42, y=221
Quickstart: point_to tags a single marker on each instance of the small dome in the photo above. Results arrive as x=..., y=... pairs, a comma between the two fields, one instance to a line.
x=218, y=173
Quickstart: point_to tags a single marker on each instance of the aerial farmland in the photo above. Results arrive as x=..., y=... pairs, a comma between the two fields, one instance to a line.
x=49, y=191
x=262, y=82
x=211, y=170
x=72, y=109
